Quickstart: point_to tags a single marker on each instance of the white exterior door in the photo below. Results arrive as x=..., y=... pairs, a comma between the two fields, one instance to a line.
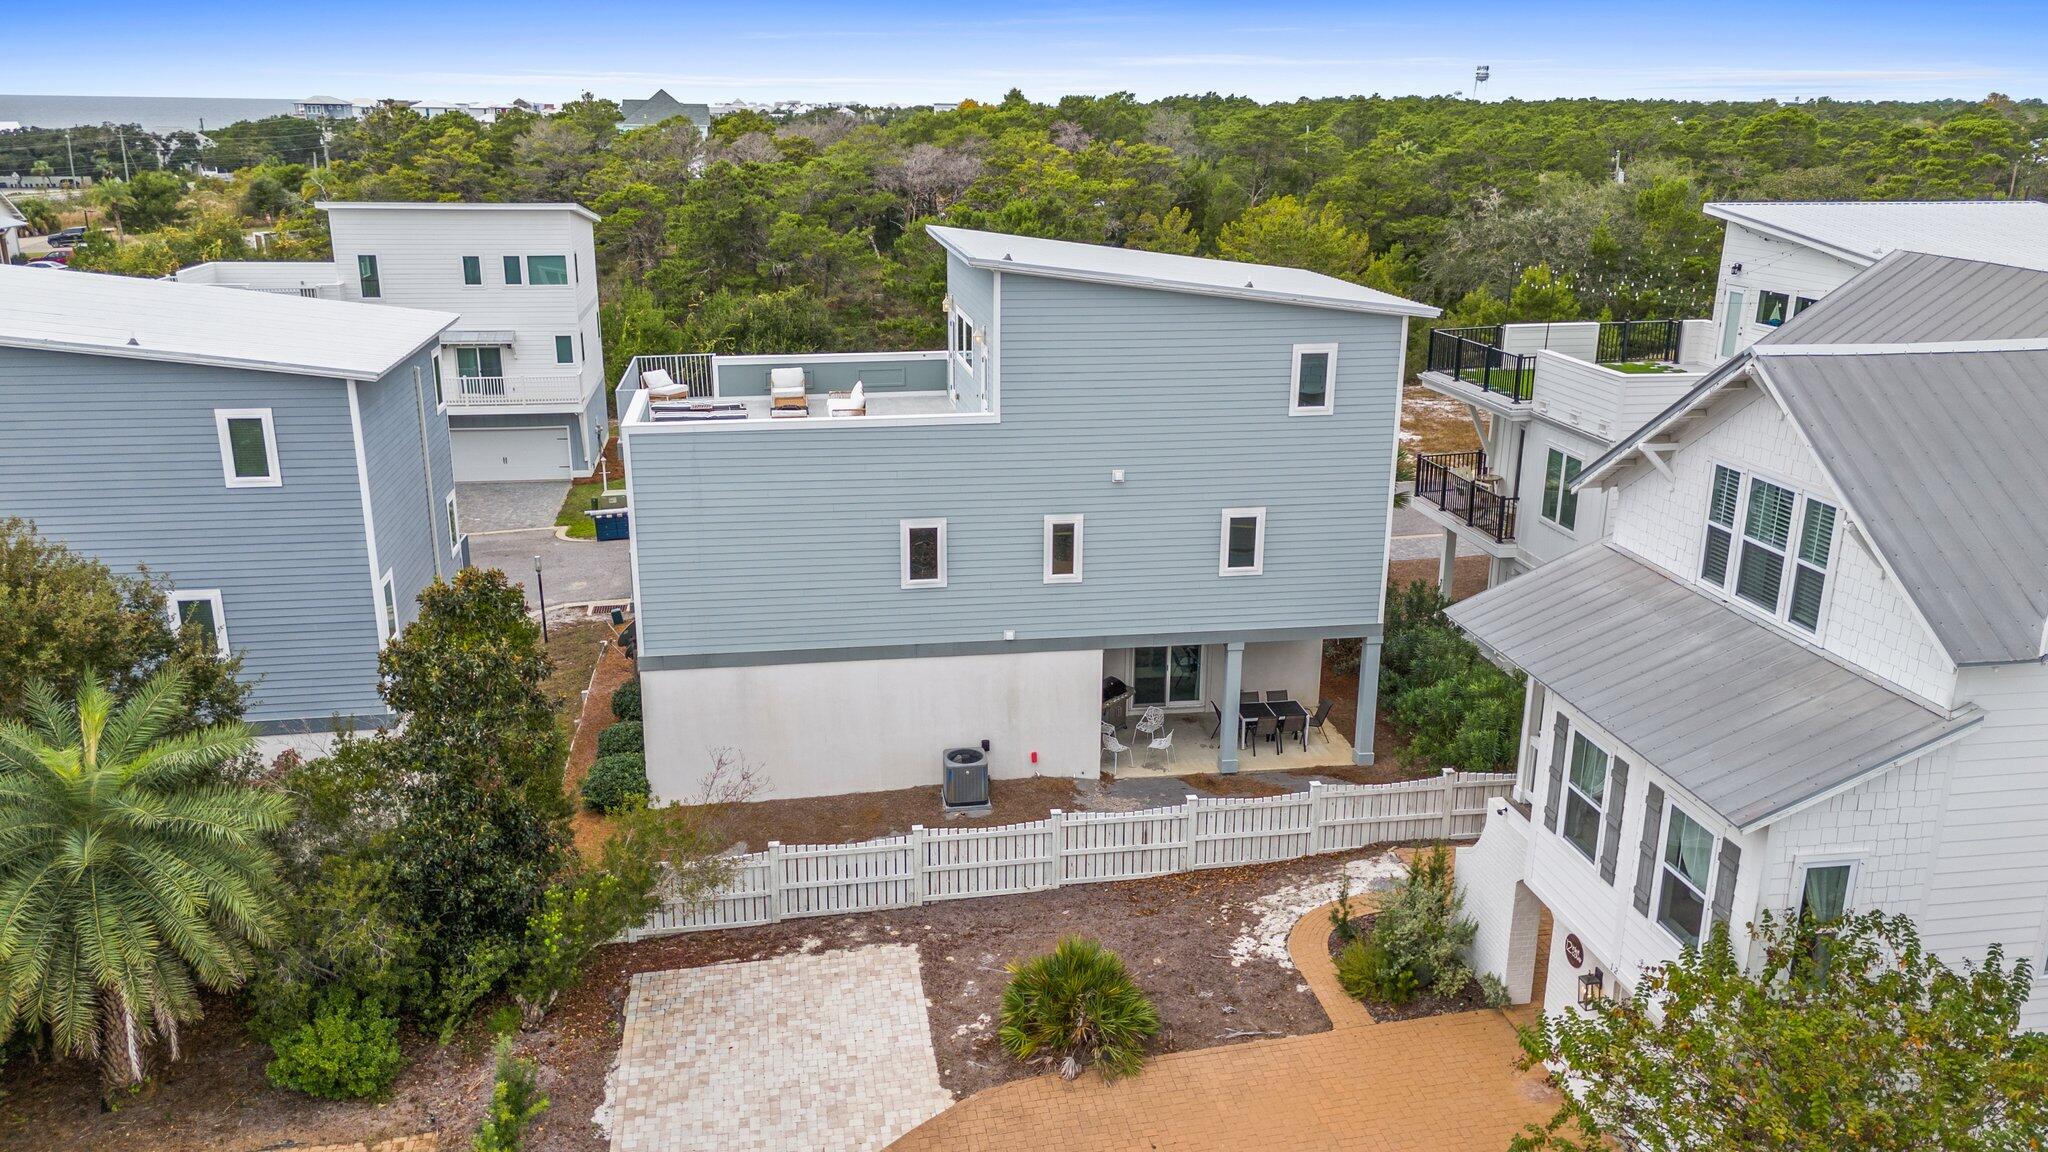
x=511, y=453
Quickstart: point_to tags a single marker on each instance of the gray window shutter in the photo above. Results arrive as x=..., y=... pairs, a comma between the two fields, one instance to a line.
x=1617, y=799
x=1724, y=881
x=1558, y=748
x=1646, y=860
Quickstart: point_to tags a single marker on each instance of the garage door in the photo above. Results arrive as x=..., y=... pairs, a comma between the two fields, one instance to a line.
x=510, y=453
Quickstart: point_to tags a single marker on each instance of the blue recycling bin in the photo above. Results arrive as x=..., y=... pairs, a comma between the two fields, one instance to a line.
x=611, y=523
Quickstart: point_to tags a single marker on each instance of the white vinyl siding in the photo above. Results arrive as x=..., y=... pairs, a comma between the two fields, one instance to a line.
x=1313, y=384
x=1063, y=549
x=1242, y=550
x=923, y=553
x=200, y=608
x=248, y=447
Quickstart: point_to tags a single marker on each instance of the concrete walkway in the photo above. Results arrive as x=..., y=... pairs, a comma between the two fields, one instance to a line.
x=575, y=571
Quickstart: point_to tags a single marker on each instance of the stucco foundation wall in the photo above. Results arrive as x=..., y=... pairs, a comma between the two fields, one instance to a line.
x=1489, y=874
x=820, y=729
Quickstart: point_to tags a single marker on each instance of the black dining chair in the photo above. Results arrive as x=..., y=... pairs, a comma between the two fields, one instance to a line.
x=1276, y=697
x=1293, y=724
x=1267, y=729
x=1316, y=722
x=1247, y=697
x=1217, y=712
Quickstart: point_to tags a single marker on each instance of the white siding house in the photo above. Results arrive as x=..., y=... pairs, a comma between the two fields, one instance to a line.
x=521, y=373
x=1814, y=631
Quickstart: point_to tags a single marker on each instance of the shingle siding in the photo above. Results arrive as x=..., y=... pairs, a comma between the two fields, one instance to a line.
x=119, y=458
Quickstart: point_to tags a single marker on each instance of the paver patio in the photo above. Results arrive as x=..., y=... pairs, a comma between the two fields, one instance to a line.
x=826, y=1052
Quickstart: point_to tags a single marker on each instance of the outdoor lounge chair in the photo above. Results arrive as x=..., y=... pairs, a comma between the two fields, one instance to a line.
x=854, y=403
x=659, y=385
x=786, y=392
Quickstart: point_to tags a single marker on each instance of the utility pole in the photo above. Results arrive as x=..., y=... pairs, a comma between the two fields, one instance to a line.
x=70, y=161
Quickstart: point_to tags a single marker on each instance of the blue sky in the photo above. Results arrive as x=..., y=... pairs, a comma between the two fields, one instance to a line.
x=912, y=50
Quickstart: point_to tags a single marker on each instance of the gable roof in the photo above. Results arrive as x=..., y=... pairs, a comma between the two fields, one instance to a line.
x=661, y=106
x=1750, y=722
x=1864, y=231
x=1131, y=268
x=1920, y=386
x=107, y=315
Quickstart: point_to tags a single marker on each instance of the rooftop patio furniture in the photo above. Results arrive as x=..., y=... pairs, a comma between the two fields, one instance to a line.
x=659, y=385
x=854, y=403
x=1315, y=722
x=786, y=392
x=1114, y=747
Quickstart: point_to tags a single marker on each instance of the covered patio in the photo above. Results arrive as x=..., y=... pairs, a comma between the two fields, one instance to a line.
x=1196, y=748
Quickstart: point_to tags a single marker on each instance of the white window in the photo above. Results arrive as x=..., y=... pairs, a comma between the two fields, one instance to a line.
x=1560, y=503
x=1720, y=541
x=1315, y=380
x=440, y=400
x=1826, y=889
x=454, y=530
x=248, y=447
x=924, y=553
x=1767, y=546
x=1682, y=875
x=200, y=608
x=1771, y=308
x=1243, y=548
x=963, y=336
x=387, y=589
x=1585, y=795
x=472, y=270
x=371, y=284
x=1766, y=530
x=1810, y=564
x=1062, y=549
x=565, y=349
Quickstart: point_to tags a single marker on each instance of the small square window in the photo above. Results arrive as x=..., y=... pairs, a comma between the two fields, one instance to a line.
x=547, y=270
x=511, y=269
x=366, y=276
x=923, y=553
x=248, y=447
x=1315, y=373
x=1062, y=549
x=472, y=270
x=565, y=349
x=1802, y=303
x=201, y=610
x=1244, y=542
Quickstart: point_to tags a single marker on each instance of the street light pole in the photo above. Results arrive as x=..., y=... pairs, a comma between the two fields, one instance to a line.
x=540, y=587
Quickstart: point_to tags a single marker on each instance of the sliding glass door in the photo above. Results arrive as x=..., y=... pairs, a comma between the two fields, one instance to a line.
x=1169, y=676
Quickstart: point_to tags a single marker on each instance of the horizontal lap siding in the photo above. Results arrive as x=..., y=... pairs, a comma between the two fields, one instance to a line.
x=119, y=458
x=411, y=509
x=792, y=532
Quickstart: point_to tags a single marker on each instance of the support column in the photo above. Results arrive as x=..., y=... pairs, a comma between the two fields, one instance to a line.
x=1368, y=700
x=1233, y=681
x=1447, y=568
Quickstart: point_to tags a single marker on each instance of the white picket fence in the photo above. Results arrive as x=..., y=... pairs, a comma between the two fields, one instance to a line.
x=932, y=864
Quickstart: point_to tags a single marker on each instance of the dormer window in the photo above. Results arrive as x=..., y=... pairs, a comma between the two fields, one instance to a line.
x=1781, y=557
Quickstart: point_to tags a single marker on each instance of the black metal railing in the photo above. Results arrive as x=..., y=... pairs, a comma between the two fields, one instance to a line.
x=1473, y=356
x=1638, y=341
x=1451, y=481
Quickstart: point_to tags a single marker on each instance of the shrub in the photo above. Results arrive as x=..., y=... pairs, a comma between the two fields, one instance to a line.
x=621, y=737
x=1368, y=972
x=516, y=1100
x=626, y=700
x=1493, y=990
x=461, y=986
x=1077, y=1003
x=349, y=1050
x=1340, y=913
x=1456, y=707
x=1421, y=926
x=615, y=781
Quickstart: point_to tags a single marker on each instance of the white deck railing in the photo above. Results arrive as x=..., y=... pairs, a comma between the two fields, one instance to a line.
x=932, y=864
x=502, y=391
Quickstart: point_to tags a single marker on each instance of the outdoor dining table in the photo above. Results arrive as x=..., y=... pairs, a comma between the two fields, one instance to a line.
x=1269, y=710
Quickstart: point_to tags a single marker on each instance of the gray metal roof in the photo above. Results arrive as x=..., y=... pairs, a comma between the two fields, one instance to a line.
x=1915, y=298
x=1939, y=454
x=1863, y=231
x=1750, y=722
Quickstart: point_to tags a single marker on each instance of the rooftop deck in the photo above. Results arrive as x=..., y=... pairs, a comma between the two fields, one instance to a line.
x=713, y=390
x=1501, y=368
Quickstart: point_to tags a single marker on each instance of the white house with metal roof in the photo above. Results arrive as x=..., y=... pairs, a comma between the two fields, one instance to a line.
x=1129, y=481
x=520, y=375
x=1803, y=670
x=1547, y=399
x=279, y=461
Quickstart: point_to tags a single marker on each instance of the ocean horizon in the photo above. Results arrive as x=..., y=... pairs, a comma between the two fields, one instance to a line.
x=155, y=113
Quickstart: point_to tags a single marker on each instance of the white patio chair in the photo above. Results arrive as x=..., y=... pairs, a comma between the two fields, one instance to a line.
x=786, y=390
x=854, y=403
x=1116, y=748
x=1153, y=722
x=1163, y=743
x=661, y=386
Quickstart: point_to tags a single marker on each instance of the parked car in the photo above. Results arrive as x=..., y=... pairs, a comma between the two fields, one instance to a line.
x=56, y=256
x=66, y=237
x=45, y=264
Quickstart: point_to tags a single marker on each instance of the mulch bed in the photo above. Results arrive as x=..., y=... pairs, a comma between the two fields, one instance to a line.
x=1425, y=1003
x=1174, y=932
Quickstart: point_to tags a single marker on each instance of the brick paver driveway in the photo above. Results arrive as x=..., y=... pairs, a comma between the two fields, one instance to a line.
x=822, y=1052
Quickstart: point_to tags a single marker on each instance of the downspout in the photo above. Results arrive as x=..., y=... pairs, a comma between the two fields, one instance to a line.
x=1521, y=446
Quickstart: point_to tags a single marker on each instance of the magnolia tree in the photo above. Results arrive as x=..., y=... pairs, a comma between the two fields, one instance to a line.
x=1847, y=1036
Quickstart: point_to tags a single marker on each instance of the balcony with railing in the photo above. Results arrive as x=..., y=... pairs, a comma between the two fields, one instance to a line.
x=564, y=390
x=880, y=388
x=1505, y=367
x=1474, y=356
x=1460, y=487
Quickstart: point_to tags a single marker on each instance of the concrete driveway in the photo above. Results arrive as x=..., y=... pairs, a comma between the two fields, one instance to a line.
x=508, y=505
x=574, y=571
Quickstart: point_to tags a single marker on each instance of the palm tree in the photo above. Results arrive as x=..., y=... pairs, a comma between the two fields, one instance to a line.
x=129, y=873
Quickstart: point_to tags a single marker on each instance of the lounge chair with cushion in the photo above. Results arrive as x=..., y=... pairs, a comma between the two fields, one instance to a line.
x=659, y=385
x=854, y=403
x=786, y=392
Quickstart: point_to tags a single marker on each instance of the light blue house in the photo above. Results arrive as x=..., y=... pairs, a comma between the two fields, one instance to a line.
x=281, y=460
x=1130, y=477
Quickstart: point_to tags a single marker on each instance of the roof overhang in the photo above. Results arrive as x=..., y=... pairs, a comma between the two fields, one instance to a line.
x=168, y=356
x=484, y=337
x=1733, y=214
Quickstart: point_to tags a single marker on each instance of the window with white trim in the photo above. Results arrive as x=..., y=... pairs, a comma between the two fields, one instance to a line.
x=472, y=270
x=565, y=349
x=1682, y=871
x=454, y=528
x=371, y=283
x=1810, y=564
x=1314, y=380
x=1063, y=549
x=248, y=447
x=1766, y=532
x=1721, y=505
x=1772, y=308
x=387, y=588
x=1243, y=547
x=200, y=609
x=923, y=553
x=546, y=270
x=512, y=275
x=1585, y=796
x=1825, y=890
x=440, y=399
x=1560, y=503
x=963, y=336
x=1782, y=553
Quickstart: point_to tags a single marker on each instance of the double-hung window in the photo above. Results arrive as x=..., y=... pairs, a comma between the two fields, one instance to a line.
x=1721, y=507
x=1062, y=549
x=1560, y=503
x=1810, y=564
x=547, y=270
x=1243, y=547
x=1777, y=571
x=1682, y=875
x=1315, y=380
x=923, y=553
x=565, y=349
x=512, y=270
x=472, y=270
x=248, y=447
x=200, y=610
x=1585, y=795
x=1772, y=308
x=1766, y=531
x=366, y=276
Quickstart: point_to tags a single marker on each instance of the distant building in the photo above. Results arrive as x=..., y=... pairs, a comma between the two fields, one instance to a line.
x=325, y=108
x=659, y=107
x=947, y=106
